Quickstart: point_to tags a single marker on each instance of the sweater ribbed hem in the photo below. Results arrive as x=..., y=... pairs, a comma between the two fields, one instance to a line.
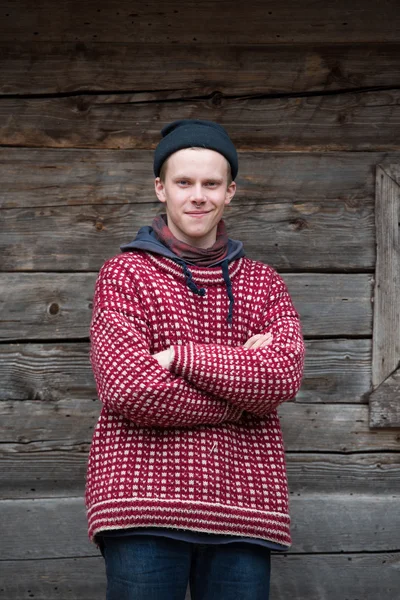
x=190, y=515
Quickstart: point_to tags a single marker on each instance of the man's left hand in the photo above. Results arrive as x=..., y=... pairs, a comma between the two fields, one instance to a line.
x=165, y=357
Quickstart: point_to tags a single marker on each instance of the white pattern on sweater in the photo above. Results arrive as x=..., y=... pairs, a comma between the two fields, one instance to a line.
x=198, y=446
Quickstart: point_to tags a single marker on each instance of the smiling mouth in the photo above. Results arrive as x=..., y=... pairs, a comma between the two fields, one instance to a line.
x=197, y=214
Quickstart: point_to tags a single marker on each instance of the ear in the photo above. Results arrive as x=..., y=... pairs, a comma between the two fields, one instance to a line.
x=230, y=192
x=160, y=190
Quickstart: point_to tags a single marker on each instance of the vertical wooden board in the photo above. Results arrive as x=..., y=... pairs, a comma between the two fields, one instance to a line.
x=385, y=411
x=386, y=328
x=385, y=403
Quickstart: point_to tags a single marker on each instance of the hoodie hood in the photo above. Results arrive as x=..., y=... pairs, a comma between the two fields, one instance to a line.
x=147, y=240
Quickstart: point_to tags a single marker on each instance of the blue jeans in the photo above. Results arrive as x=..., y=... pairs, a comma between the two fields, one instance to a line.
x=144, y=567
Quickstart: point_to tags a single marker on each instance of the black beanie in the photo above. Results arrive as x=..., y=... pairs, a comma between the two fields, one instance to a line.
x=193, y=133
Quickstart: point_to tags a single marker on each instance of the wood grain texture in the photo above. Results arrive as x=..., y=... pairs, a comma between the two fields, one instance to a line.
x=56, y=528
x=336, y=370
x=184, y=70
x=339, y=122
x=32, y=178
x=332, y=428
x=370, y=576
x=299, y=236
x=50, y=473
x=392, y=170
x=173, y=22
x=58, y=305
x=386, y=336
x=385, y=403
x=69, y=424
x=80, y=578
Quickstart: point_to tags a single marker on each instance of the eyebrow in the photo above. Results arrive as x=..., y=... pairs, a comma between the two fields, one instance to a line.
x=216, y=179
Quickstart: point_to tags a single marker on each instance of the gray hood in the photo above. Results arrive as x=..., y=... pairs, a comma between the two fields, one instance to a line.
x=147, y=240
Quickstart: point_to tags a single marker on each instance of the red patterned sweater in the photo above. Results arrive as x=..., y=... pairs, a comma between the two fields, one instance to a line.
x=198, y=446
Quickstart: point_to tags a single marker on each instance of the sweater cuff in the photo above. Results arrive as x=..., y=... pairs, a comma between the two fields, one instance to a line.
x=182, y=363
x=232, y=413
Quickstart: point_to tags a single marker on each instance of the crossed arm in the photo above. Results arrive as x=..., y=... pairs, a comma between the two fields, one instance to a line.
x=191, y=384
x=260, y=340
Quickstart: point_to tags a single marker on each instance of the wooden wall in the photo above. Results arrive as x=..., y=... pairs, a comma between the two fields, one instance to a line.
x=310, y=93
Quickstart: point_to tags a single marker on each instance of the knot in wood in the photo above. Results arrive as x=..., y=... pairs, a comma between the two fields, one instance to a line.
x=298, y=224
x=99, y=226
x=54, y=308
x=216, y=99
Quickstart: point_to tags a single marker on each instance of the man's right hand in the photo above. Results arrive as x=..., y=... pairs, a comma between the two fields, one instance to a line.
x=259, y=340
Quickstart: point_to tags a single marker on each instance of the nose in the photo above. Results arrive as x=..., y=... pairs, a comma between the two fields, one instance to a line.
x=197, y=194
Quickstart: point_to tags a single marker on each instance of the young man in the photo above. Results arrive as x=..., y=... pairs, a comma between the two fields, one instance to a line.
x=193, y=348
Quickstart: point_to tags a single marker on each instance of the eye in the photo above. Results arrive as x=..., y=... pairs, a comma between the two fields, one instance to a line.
x=211, y=184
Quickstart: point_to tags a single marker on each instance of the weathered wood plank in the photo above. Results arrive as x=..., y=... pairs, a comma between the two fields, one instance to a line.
x=32, y=177
x=58, y=306
x=291, y=236
x=385, y=402
x=46, y=372
x=48, y=473
x=339, y=122
x=67, y=424
x=366, y=576
x=42, y=473
x=332, y=428
x=194, y=69
x=80, y=578
x=347, y=307
x=386, y=329
x=392, y=170
x=56, y=528
x=45, y=306
x=301, y=576
x=173, y=22
x=336, y=370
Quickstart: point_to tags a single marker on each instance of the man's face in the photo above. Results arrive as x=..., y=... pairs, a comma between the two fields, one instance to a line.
x=195, y=192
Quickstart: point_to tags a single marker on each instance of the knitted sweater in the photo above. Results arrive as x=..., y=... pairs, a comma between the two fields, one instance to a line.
x=198, y=446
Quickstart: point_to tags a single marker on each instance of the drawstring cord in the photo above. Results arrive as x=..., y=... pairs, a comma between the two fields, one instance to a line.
x=228, y=283
x=202, y=292
x=189, y=281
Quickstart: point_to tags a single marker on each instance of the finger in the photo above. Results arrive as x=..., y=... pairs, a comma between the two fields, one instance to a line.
x=262, y=341
x=266, y=343
x=257, y=344
x=251, y=340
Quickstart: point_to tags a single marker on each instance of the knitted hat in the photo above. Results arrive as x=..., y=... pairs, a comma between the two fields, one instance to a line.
x=192, y=133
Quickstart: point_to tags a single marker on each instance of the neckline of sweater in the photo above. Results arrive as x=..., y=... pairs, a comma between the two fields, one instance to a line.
x=202, y=275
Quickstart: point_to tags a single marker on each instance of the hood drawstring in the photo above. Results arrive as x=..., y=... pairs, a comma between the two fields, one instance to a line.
x=228, y=283
x=189, y=281
x=202, y=292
